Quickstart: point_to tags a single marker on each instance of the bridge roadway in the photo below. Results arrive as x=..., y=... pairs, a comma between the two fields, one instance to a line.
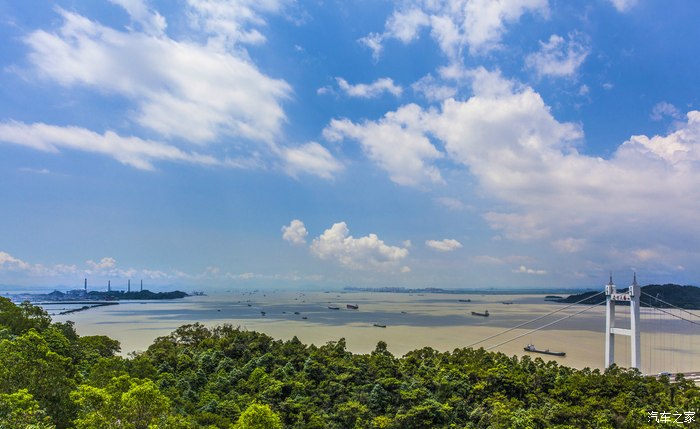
x=692, y=376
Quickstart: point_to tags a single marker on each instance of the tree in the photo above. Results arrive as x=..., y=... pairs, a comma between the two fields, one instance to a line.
x=124, y=403
x=20, y=410
x=27, y=362
x=259, y=416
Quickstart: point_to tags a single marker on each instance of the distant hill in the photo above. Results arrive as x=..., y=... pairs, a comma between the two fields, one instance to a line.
x=662, y=296
x=144, y=294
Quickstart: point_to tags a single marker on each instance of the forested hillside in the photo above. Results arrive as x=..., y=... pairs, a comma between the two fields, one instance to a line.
x=225, y=377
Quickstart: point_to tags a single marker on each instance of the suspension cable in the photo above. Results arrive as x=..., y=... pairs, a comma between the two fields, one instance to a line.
x=533, y=320
x=676, y=316
x=544, y=326
x=667, y=303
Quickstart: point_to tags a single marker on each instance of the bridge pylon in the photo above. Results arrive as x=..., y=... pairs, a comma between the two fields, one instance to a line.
x=631, y=296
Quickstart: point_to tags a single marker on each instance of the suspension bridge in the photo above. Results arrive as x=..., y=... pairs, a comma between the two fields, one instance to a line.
x=641, y=331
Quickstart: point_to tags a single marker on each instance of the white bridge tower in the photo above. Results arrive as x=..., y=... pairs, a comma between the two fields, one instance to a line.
x=631, y=296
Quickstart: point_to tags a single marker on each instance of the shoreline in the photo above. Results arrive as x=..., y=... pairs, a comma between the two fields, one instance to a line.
x=439, y=321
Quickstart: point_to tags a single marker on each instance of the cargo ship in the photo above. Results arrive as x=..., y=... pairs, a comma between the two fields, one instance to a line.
x=531, y=348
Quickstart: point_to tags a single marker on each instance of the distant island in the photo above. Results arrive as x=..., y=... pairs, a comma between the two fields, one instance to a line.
x=661, y=296
x=79, y=295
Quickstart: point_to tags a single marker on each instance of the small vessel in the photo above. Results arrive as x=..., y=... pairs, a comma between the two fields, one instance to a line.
x=332, y=307
x=380, y=325
x=484, y=314
x=531, y=348
x=262, y=312
x=304, y=317
x=296, y=312
x=352, y=306
x=465, y=300
x=507, y=302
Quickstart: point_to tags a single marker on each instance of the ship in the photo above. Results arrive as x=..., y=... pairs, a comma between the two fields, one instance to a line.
x=332, y=307
x=531, y=348
x=465, y=300
x=380, y=325
x=352, y=306
x=484, y=314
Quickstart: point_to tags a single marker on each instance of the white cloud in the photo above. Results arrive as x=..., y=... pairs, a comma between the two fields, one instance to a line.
x=181, y=89
x=150, y=21
x=131, y=151
x=558, y=57
x=364, y=253
x=397, y=143
x=104, y=264
x=229, y=22
x=455, y=24
x=624, y=5
x=445, y=245
x=525, y=160
x=452, y=203
x=311, y=158
x=372, y=90
x=295, y=232
x=10, y=263
x=665, y=109
x=432, y=89
x=525, y=270
x=569, y=244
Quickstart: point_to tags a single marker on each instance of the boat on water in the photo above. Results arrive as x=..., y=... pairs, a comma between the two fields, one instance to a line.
x=352, y=306
x=465, y=300
x=531, y=348
x=484, y=314
x=332, y=307
x=507, y=302
x=380, y=325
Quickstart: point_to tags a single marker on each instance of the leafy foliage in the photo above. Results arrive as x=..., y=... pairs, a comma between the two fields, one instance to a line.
x=225, y=377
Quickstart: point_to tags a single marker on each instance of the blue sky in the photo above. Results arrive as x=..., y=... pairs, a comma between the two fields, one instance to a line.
x=281, y=143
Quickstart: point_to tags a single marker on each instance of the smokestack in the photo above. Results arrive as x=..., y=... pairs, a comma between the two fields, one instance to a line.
x=129, y=286
x=141, y=285
x=109, y=286
x=85, y=285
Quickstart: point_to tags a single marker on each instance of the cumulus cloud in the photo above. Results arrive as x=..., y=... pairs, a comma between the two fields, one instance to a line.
x=445, y=245
x=363, y=253
x=526, y=160
x=525, y=270
x=397, y=143
x=295, y=232
x=9, y=262
x=311, y=158
x=558, y=57
x=372, y=90
x=180, y=89
x=665, y=109
x=454, y=25
x=104, y=264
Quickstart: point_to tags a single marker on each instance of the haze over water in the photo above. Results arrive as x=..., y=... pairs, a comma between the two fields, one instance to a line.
x=412, y=321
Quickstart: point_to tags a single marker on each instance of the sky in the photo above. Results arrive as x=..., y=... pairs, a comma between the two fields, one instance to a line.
x=220, y=144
